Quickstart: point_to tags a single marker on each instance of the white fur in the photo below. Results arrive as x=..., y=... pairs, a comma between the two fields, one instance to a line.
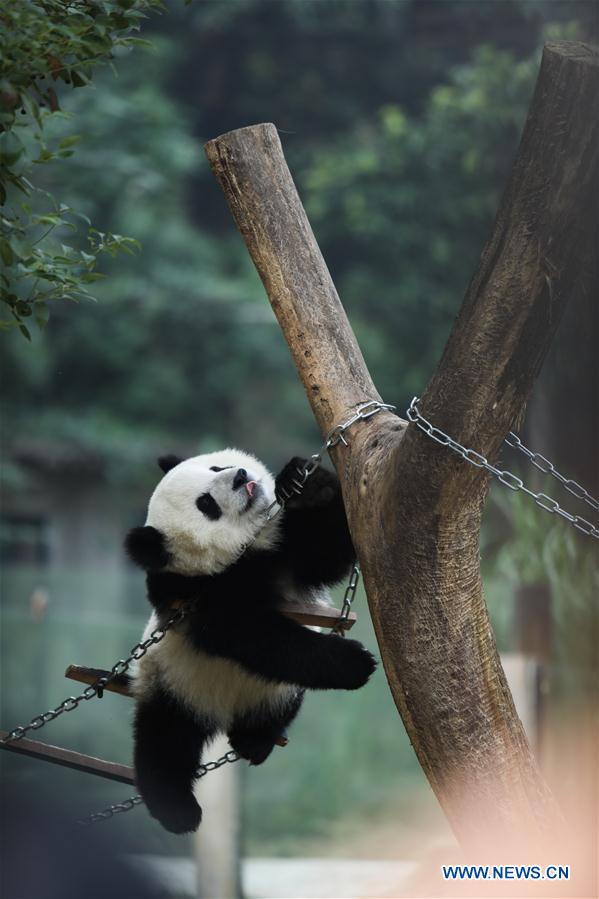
x=208, y=685
x=197, y=544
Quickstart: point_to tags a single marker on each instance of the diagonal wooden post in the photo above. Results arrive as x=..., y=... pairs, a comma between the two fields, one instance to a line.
x=414, y=508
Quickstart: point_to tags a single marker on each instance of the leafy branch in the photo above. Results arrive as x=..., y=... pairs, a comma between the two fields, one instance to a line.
x=49, y=251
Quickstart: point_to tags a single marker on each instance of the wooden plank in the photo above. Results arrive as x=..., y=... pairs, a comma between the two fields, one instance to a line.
x=67, y=758
x=316, y=615
x=85, y=675
x=309, y=614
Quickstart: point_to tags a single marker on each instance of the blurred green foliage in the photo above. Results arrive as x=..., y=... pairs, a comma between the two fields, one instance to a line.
x=541, y=549
x=46, y=45
x=400, y=180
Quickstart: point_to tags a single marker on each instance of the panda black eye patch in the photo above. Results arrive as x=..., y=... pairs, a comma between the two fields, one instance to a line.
x=216, y=468
x=208, y=505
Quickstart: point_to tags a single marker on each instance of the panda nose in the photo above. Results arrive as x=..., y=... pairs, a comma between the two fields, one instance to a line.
x=240, y=478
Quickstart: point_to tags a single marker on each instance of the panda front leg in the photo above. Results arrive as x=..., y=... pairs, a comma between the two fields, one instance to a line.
x=315, y=540
x=254, y=734
x=167, y=752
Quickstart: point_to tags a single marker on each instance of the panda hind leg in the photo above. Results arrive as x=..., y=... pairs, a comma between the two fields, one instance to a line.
x=167, y=752
x=254, y=734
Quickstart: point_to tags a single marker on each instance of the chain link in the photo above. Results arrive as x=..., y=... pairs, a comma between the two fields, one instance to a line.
x=545, y=466
x=348, y=598
x=128, y=804
x=336, y=435
x=506, y=477
x=118, y=808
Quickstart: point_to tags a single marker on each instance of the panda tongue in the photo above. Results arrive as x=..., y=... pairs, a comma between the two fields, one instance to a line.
x=249, y=487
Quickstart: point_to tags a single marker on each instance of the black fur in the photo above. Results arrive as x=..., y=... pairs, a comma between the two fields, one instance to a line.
x=146, y=547
x=254, y=736
x=316, y=546
x=168, y=747
x=168, y=462
x=209, y=507
x=278, y=649
x=235, y=615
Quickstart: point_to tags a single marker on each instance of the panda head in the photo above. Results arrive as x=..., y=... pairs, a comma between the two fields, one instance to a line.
x=203, y=512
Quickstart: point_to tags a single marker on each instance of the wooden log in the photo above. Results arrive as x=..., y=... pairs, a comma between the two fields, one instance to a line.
x=414, y=508
x=67, y=758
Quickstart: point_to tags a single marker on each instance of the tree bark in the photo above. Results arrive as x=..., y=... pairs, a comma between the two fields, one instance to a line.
x=414, y=508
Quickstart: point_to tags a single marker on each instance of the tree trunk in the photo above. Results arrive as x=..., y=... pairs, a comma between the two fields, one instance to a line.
x=414, y=507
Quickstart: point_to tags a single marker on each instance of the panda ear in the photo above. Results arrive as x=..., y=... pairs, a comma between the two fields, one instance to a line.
x=145, y=546
x=168, y=462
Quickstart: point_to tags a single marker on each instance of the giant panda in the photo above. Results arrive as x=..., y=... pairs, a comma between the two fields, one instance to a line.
x=235, y=664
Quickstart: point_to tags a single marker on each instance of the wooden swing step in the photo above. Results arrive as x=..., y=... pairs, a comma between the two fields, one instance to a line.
x=67, y=758
x=316, y=614
x=121, y=683
x=312, y=614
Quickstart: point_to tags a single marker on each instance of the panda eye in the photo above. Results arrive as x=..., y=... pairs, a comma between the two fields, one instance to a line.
x=209, y=507
x=216, y=468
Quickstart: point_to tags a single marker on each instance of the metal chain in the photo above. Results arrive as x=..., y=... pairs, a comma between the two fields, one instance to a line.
x=97, y=688
x=546, y=467
x=505, y=477
x=128, y=804
x=336, y=435
x=348, y=598
x=125, y=806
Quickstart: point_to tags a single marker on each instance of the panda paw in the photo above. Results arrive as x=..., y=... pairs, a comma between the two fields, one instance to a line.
x=353, y=664
x=254, y=747
x=362, y=666
x=178, y=813
x=318, y=490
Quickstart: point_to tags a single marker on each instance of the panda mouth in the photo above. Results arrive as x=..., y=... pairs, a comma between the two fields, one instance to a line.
x=252, y=488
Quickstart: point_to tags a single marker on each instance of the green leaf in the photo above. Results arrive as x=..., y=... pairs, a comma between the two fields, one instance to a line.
x=41, y=313
x=70, y=141
x=138, y=42
x=23, y=308
x=45, y=156
x=88, y=258
x=49, y=219
x=91, y=276
x=79, y=79
x=6, y=252
x=9, y=298
x=11, y=148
